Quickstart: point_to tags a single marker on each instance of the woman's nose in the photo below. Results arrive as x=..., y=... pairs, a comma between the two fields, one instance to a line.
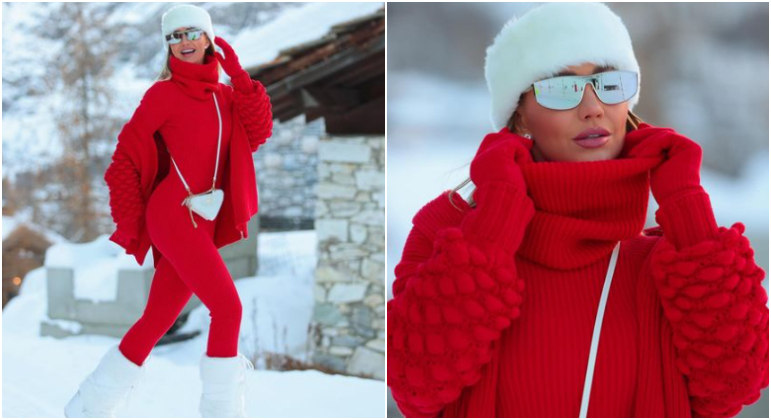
x=187, y=42
x=590, y=105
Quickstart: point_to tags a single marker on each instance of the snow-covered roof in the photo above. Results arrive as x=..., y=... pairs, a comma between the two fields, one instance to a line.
x=297, y=26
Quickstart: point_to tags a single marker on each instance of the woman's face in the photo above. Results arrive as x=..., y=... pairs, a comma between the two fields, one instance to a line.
x=190, y=51
x=554, y=133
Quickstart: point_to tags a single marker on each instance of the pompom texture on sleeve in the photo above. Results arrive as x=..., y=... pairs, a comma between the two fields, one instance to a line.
x=713, y=298
x=127, y=206
x=444, y=317
x=254, y=110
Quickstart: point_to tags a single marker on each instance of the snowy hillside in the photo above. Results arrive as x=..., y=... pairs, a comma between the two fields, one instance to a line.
x=34, y=97
x=282, y=290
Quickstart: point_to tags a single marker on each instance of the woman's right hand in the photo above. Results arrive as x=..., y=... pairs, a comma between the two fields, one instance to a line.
x=498, y=159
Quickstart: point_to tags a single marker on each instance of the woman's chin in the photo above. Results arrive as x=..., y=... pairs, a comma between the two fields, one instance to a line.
x=586, y=156
x=597, y=156
x=608, y=151
x=191, y=59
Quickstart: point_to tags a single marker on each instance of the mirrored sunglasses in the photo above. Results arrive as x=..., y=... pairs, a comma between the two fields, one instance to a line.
x=566, y=92
x=192, y=35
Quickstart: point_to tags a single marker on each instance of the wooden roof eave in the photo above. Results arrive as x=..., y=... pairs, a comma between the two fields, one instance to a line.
x=325, y=68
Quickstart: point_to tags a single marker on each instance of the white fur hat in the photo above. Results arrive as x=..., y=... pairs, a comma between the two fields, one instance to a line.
x=185, y=16
x=545, y=41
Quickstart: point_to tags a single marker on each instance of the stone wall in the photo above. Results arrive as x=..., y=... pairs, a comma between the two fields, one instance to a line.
x=349, y=314
x=286, y=174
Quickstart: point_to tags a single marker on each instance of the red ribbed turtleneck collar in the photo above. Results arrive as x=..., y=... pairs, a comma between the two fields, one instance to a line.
x=584, y=208
x=196, y=80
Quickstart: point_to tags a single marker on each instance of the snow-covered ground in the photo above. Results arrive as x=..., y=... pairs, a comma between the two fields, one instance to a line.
x=41, y=373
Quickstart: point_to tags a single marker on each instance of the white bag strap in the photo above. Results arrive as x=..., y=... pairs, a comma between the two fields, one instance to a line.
x=219, y=144
x=596, y=333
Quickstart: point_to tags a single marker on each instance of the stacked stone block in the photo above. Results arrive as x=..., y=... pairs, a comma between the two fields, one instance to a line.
x=286, y=173
x=349, y=315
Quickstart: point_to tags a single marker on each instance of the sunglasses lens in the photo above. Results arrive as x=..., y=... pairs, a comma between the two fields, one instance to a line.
x=615, y=87
x=174, y=38
x=194, y=35
x=566, y=92
x=558, y=93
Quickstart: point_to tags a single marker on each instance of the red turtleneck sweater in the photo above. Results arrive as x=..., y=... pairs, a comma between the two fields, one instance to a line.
x=175, y=109
x=474, y=331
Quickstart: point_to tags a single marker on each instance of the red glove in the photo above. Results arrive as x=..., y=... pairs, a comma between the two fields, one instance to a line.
x=498, y=159
x=126, y=236
x=503, y=208
x=678, y=173
x=238, y=76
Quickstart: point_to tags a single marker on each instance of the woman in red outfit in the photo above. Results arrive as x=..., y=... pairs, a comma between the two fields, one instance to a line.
x=208, y=131
x=503, y=305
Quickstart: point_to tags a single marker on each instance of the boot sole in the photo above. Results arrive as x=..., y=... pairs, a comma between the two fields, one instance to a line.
x=74, y=409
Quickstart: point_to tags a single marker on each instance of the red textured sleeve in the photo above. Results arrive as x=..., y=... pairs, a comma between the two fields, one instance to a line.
x=451, y=301
x=254, y=109
x=687, y=219
x=122, y=175
x=712, y=296
x=126, y=202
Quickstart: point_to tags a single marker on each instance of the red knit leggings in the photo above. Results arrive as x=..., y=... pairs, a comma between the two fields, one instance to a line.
x=190, y=264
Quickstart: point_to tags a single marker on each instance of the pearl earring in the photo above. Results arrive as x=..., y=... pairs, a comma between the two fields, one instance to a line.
x=527, y=136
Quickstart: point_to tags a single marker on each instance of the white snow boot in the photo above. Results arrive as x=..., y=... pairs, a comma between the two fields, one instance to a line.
x=224, y=386
x=106, y=389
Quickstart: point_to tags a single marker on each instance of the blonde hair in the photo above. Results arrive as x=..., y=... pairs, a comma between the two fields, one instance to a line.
x=632, y=122
x=166, y=73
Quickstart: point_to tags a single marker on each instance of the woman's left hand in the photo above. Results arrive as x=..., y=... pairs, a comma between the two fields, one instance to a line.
x=678, y=173
x=229, y=62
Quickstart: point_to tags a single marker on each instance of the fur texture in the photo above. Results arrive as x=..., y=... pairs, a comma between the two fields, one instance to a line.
x=185, y=16
x=545, y=41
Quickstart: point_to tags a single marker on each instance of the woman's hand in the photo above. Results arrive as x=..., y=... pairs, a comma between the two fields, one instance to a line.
x=678, y=173
x=238, y=76
x=229, y=62
x=499, y=157
x=503, y=208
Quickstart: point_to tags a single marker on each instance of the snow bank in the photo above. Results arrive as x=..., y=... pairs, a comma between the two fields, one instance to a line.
x=95, y=265
x=22, y=314
x=40, y=374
